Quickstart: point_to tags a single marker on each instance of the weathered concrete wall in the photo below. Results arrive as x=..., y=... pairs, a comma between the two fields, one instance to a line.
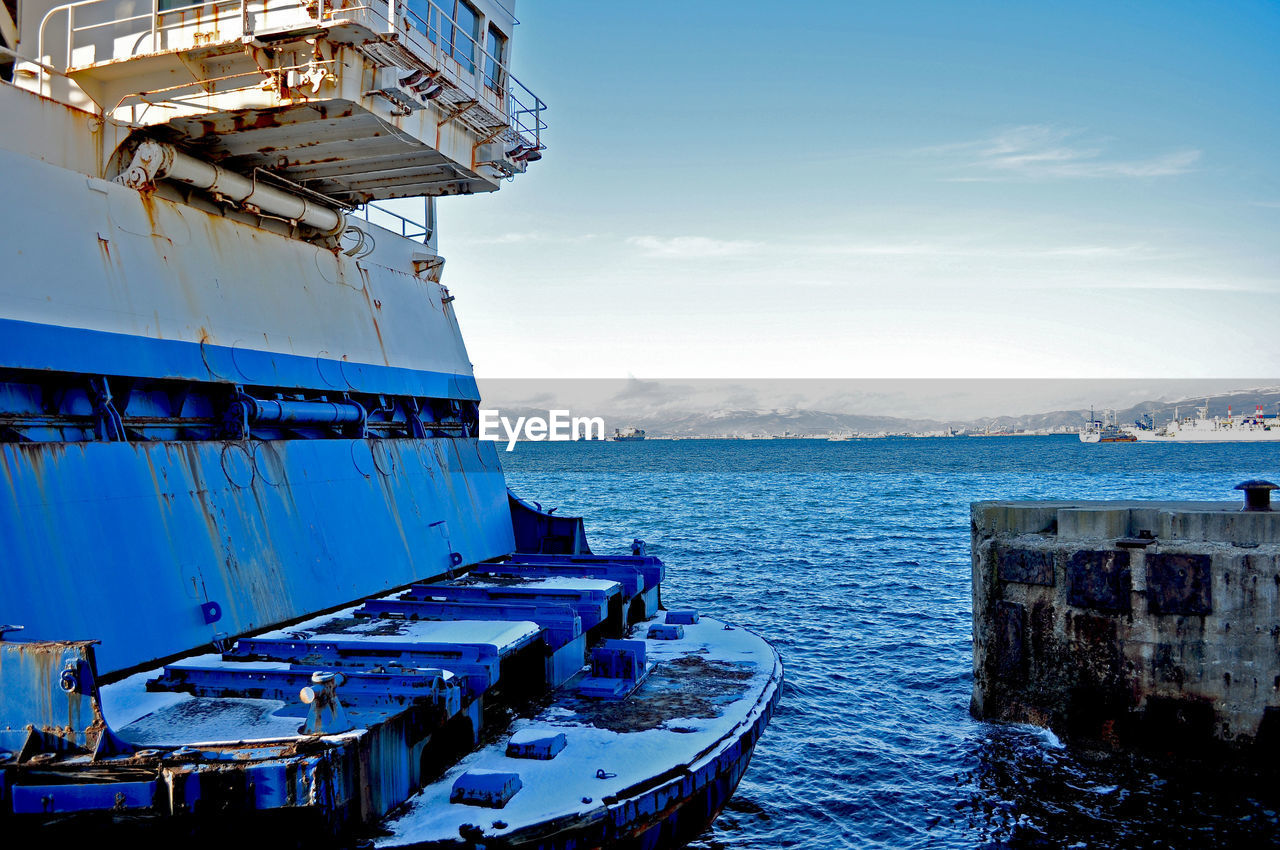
x=1147, y=624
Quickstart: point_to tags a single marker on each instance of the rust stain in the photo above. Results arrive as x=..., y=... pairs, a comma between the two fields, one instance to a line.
x=149, y=207
x=390, y=498
x=364, y=274
x=294, y=163
x=104, y=245
x=49, y=658
x=208, y=511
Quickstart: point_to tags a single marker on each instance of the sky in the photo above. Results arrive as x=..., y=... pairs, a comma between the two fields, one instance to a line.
x=884, y=190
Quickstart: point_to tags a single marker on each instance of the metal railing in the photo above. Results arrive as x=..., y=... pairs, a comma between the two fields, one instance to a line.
x=434, y=38
x=410, y=228
x=151, y=33
x=445, y=40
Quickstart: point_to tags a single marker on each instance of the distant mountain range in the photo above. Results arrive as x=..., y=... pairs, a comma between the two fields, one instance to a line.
x=748, y=422
x=1242, y=402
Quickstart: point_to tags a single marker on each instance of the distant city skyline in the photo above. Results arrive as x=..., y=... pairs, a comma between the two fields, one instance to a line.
x=927, y=190
x=935, y=399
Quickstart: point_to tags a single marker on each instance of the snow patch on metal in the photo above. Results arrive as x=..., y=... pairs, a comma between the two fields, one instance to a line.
x=490, y=788
x=535, y=744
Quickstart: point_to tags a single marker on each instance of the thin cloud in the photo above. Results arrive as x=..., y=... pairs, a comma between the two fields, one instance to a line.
x=928, y=249
x=1039, y=152
x=523, y=237
x=1183, y=284
x=691, y=247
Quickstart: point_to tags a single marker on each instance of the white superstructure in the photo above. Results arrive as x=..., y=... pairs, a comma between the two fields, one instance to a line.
x=348, y=101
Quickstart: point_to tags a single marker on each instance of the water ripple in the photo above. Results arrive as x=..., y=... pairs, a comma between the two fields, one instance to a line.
x=853, y=558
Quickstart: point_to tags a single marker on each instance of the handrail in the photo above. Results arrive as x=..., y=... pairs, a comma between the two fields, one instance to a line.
x=502, y=82
x=409, y=228
x=520, y=107
x=18, y=57
x=149, y=15
x=145, y=95
x=153, y=15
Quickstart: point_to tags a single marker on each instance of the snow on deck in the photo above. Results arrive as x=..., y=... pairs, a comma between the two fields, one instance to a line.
x=503, y=635
x=215, y=720
x=162, y=718
x=701, y=690
x=539, y=582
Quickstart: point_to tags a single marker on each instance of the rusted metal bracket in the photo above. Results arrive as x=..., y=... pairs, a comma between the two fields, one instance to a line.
x=45, y=683
x=399, y=107
x=497, y=131
x=460, y=110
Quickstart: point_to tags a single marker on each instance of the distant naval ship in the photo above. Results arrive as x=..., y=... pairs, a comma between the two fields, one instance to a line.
x=1202, y=428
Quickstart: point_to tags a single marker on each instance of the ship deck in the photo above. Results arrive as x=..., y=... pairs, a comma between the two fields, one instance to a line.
x=705, y=694
x=541, y=702
x=698, y=712
x=174, y=719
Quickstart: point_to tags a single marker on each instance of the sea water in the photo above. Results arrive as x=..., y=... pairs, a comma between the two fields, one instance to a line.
x=852, y=557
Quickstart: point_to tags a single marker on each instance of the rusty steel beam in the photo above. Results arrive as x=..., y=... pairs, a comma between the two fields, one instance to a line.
x=393, y=177
x=387, y=182
x=414, y=190
x=322, y=170
x=305, y=156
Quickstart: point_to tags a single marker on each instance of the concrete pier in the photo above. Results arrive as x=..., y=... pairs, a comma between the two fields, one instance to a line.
x=1152, y=625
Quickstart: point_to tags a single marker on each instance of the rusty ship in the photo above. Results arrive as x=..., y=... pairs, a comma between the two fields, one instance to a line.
x=262, y=580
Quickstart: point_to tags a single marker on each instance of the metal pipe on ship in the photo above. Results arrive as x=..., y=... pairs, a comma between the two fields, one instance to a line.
x=153, y=160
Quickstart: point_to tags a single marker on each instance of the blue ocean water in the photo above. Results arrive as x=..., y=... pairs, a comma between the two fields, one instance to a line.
x=853, y=558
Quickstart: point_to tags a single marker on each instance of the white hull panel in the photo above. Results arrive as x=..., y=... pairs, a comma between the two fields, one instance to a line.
x=1210, y=435
x=98, y=256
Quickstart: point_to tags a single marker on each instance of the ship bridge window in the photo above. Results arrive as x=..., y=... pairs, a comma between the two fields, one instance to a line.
x=430, y=21
x=466, y=36
x=453, y=25
x=496, y=48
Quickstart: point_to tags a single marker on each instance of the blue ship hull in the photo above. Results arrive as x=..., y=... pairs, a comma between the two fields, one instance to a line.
x=157, y=548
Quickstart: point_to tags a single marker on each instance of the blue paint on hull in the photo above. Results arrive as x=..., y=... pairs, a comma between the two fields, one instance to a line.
x=29, y=345
x=128, y=543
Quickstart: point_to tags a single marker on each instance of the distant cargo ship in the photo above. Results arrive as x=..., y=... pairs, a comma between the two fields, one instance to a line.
x=1105, y=430
x=630, y=435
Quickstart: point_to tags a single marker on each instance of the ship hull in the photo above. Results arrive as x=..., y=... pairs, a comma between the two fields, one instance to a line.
x=138, y=332
x=1108, y=438
x=131, y=543
x=1208, y=435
